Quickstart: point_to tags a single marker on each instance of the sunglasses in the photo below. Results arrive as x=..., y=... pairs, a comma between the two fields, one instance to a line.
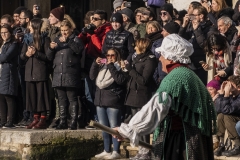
x=110, y=55
x=164, y=13
x=96, y=19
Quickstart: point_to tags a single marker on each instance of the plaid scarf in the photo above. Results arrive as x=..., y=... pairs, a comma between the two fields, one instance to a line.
x=219, y=63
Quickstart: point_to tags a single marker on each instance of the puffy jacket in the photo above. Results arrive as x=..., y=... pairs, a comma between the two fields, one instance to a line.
x=113, y=95
x=93, y=43
x=8, y=73
x=228, y=105
x=36, y=65
x=121, y=39
x=66, y=62
x=141, y=84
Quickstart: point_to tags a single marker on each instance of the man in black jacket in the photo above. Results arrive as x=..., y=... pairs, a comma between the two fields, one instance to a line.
x=227, y=106
x=195, y=29
x=119, y=38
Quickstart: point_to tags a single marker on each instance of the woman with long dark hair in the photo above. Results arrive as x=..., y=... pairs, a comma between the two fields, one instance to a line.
x=8, y=76
x=36, y=74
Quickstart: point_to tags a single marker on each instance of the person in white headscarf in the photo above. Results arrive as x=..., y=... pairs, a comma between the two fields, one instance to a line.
x=181, y=111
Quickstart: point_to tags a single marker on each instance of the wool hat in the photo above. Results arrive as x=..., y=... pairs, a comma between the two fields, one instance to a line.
x=117, y=3
x=167, y=7
x=58, y=13
x=117, y=17
x=172, y=27
x=128, y=12
x=19, y=10
x=176, y=48
x=215, y=84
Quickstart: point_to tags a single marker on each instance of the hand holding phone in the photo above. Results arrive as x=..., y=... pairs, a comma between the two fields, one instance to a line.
x=103, y=61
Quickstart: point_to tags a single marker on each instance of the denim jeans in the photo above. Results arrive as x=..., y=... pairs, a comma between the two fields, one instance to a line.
x=238, y=127
x=110, y=117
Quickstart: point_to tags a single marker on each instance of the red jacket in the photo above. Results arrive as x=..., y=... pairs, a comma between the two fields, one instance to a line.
x=93, y=43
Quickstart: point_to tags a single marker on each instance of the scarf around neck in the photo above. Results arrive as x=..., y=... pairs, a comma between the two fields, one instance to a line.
x=104, y=78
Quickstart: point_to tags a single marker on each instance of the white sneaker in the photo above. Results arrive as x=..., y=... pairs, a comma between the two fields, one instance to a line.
x=103, y=154
x=114, y=155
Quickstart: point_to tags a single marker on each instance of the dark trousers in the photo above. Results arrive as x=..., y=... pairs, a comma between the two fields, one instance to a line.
x=145, y=138
x=227, y=122
x=7, y=108
x=67, y=94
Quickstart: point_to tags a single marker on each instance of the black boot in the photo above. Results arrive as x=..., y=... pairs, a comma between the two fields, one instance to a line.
x=74, y=116
x=232, y=152
x=63, y=118
x=220, y=150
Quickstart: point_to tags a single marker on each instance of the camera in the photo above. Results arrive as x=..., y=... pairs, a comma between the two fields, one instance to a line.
x=127, y=4
x=91, y=27
x=37, y=7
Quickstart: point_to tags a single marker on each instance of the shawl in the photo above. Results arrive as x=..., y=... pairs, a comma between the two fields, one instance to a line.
x=190, y=100
x=104, y=78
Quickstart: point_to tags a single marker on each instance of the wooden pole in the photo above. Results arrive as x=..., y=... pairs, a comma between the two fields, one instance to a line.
x=114, y=132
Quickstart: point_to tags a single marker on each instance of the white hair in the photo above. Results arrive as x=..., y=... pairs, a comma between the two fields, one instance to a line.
x=226, y=20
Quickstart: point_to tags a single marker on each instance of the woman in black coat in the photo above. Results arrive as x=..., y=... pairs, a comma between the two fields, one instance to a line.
x=8, y=76
x=109, y=97
x=65, y=52
x=141, y=85
x=36, y=74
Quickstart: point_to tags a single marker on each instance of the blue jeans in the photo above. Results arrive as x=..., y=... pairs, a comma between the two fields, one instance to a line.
x=110, y=117
x=238, y=127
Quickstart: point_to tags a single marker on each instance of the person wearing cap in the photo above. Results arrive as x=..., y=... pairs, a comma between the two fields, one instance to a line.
x=195, y=29
x=127, y=22
x=227, y=108
x=166, y=13
x=119, y=38
x=181, y=111
x=146, y=16
x=117, y=5
x=55, y=17
x=170, y=28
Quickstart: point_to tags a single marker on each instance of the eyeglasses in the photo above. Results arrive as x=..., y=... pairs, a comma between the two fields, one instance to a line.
x=3, y=33
x=22, y=18
x=163, y=13
x=110, y=55
x=96, y=19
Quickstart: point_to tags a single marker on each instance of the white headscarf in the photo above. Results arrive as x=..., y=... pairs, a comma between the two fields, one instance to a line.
x=176, y=48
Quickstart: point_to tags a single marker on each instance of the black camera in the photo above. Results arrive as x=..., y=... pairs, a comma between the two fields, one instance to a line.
x=91, y=27
x=37, y=7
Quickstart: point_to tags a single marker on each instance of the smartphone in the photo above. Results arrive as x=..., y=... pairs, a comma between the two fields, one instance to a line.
x=103, y=61
x=191, y=17
x=202, y=62
x=127, y=4
x=209, y=3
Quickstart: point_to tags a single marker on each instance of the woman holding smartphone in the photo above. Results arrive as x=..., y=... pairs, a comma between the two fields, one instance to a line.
x=36, y=73
x=109, y=97
x=65, y=52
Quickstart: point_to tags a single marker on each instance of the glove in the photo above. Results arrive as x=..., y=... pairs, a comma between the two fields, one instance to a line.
x=128, y=66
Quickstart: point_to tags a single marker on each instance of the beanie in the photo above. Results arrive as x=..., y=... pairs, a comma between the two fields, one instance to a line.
x=58, y=13
x=117, y=17
x=215, y=84
x=19, y=10
x=167, y=7
x=117, y=3
x=172, y=27
x=128, y=12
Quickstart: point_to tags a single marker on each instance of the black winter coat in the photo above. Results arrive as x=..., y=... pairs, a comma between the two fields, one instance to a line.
x=66, y=62
x=36, y=65
x=9, y=73
x=141, y=84
x=121, y=39
x=228, y=105
x=113, y=95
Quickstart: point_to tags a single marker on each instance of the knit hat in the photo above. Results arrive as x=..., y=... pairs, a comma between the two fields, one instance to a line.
x=176, y=48
x=58, y=13
x=19, y=10
x=167, y=7
x=172, y=27
x=117, y=3
x=215, y=84
x=128, y=12
x=117, y=17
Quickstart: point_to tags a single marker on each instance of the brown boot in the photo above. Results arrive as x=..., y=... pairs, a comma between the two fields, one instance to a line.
x=35, y=121
x=41, y=124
